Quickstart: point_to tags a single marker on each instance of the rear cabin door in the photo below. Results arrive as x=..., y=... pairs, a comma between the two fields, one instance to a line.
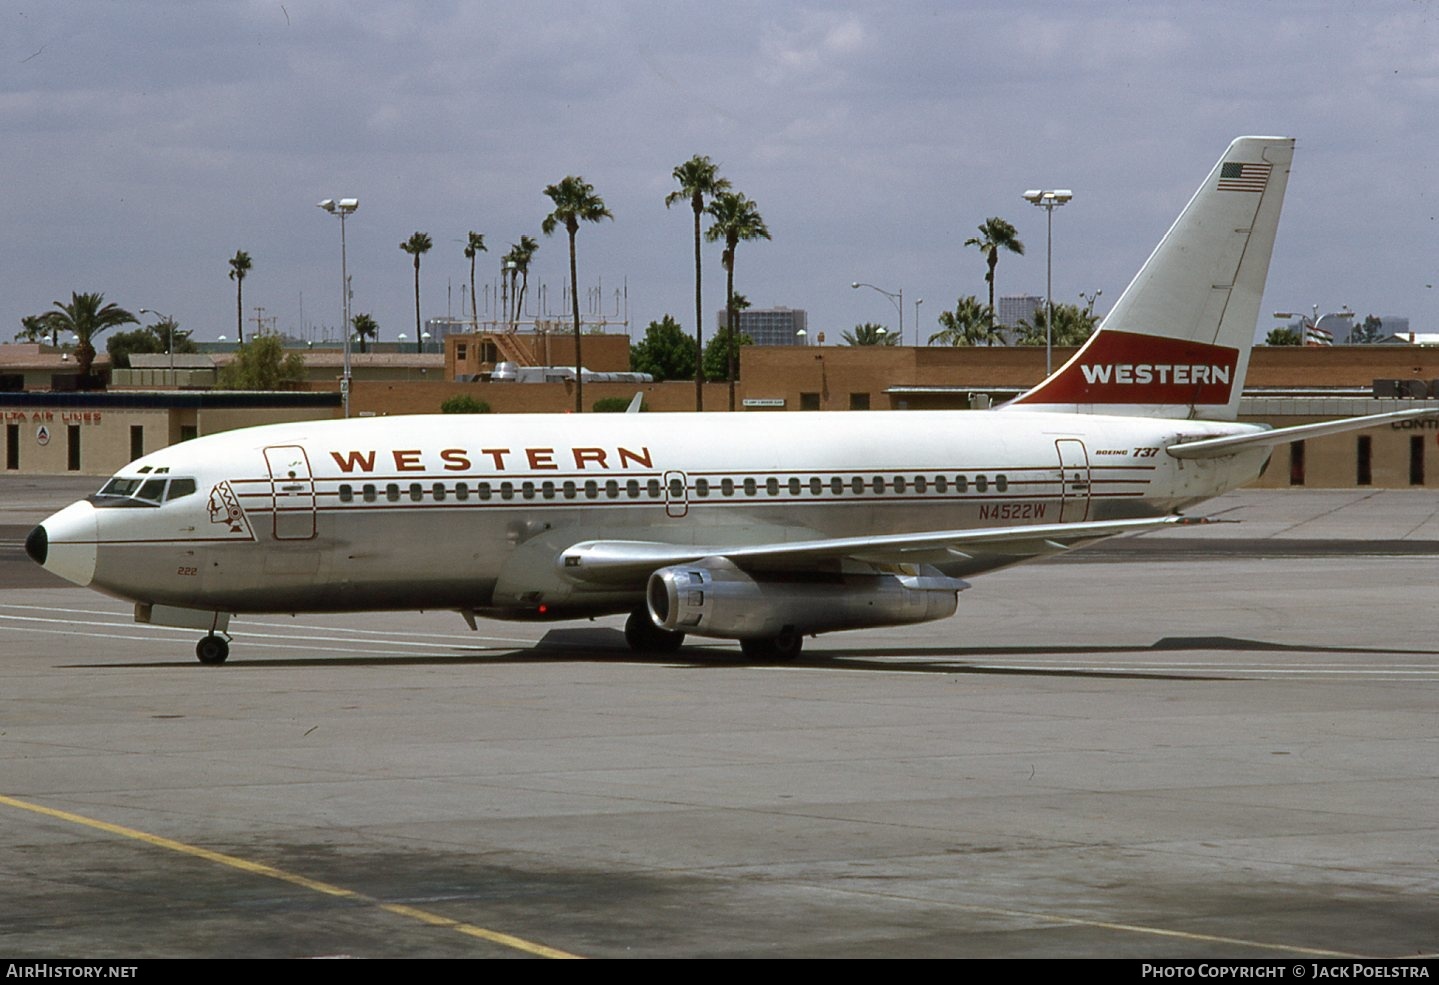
x=1073, y=480
x=292, y=491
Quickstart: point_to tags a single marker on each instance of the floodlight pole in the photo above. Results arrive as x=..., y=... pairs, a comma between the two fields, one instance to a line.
x=342, y=208
x=1049, y=201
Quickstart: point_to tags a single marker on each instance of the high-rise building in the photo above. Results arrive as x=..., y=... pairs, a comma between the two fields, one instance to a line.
x=1014, y=308
x=770, y=326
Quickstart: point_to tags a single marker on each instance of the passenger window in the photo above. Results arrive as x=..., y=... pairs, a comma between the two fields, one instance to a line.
x=592, y=489
x=727, y=487
x=417, y=492
x=961, y=483
x=920, y=484
x=836, y=485
x=570, y=489
x=899, y=484
x=1001, y=482
x=462, y=490
x=981, y=483
x=632, y=489
x=750, y=487
x=815, y=486
x=527, y=490
x=702, y=487
x=677, y=488
x=612, y=488
x=483, y=490
x=653, y=488
x=878, y=485
x=438, y=491
x=941, y=484
x=392, y=492
x=370, y=492
x=771, y=486
x=346, y=493
x=794, y=487
x=856, y=485
x=547, y=490
x=507, y=490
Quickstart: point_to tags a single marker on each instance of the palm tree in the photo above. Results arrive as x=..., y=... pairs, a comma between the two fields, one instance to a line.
x=239, y=267
x=736, y=218
x=524, y=252
x=87, y=316
x=698, y=177
x=366, y=327
x=995, y=235
x=870, y=333
x=1072, y=325
x=416, y=246
x=575, y=202
x=968, y=324
x=37, y=328
x=474, y=245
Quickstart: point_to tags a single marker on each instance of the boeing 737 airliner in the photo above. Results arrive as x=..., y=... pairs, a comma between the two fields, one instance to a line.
x=757, y=528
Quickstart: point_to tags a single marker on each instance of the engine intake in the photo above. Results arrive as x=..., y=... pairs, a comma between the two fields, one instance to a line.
x=713, y=597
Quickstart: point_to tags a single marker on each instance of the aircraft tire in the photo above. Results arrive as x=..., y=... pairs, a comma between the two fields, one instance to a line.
x=212, y=650
x=773, y=649
x=644, y=636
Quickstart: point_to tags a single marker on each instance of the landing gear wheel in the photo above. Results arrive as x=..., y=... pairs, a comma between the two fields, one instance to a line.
x=775, y=649
x=212, y=650
x=644, y=636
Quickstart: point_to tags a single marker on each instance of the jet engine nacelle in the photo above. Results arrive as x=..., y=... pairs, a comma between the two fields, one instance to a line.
x=713, y=597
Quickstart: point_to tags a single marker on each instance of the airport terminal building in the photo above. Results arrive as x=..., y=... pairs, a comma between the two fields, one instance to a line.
x=49, y=429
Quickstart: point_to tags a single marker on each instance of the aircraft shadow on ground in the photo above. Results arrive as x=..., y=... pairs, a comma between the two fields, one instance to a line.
x=605, y=645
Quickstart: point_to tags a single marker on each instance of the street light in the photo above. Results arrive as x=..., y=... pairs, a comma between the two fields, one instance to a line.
x=343, y=208
x=169, y=336
x=917, y=335
x=897, y=299
x=1049, y=201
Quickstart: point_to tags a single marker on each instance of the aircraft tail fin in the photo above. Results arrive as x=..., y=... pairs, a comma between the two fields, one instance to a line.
x=1177, y=342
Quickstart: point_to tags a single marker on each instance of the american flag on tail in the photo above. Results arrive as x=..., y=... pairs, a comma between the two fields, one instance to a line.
x=1237, y=177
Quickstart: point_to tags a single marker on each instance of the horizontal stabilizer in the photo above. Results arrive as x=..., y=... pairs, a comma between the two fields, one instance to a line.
x=1235, y=443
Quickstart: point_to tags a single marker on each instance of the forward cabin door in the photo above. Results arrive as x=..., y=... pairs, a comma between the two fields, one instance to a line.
x=1073, y=480
x=292, y=490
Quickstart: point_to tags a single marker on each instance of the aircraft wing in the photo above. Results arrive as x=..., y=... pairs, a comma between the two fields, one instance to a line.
x=629, y=561
x=1217, y=447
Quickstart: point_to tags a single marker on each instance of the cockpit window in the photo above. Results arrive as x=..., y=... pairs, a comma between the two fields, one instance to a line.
x=119, y=487
x=152, y=491
x=180, y=487
x=122, y=491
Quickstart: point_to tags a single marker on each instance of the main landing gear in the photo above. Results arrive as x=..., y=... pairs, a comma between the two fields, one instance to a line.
x=644, y=636
x=773, y=649
x=212, y=650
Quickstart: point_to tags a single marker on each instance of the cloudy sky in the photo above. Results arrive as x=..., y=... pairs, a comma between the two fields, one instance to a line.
x=145, y=142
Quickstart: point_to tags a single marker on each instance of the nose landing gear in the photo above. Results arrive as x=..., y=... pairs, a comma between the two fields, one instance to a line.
x=212, y=650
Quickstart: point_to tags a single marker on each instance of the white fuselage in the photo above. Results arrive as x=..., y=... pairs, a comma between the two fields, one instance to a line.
x=471, y=512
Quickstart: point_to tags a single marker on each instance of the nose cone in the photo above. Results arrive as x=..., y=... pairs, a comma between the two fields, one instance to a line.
x=65, y=543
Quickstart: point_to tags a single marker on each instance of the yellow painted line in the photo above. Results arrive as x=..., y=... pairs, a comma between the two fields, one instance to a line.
x=271, y=872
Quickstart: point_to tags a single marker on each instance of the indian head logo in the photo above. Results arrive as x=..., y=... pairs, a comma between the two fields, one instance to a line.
x=225, y=509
